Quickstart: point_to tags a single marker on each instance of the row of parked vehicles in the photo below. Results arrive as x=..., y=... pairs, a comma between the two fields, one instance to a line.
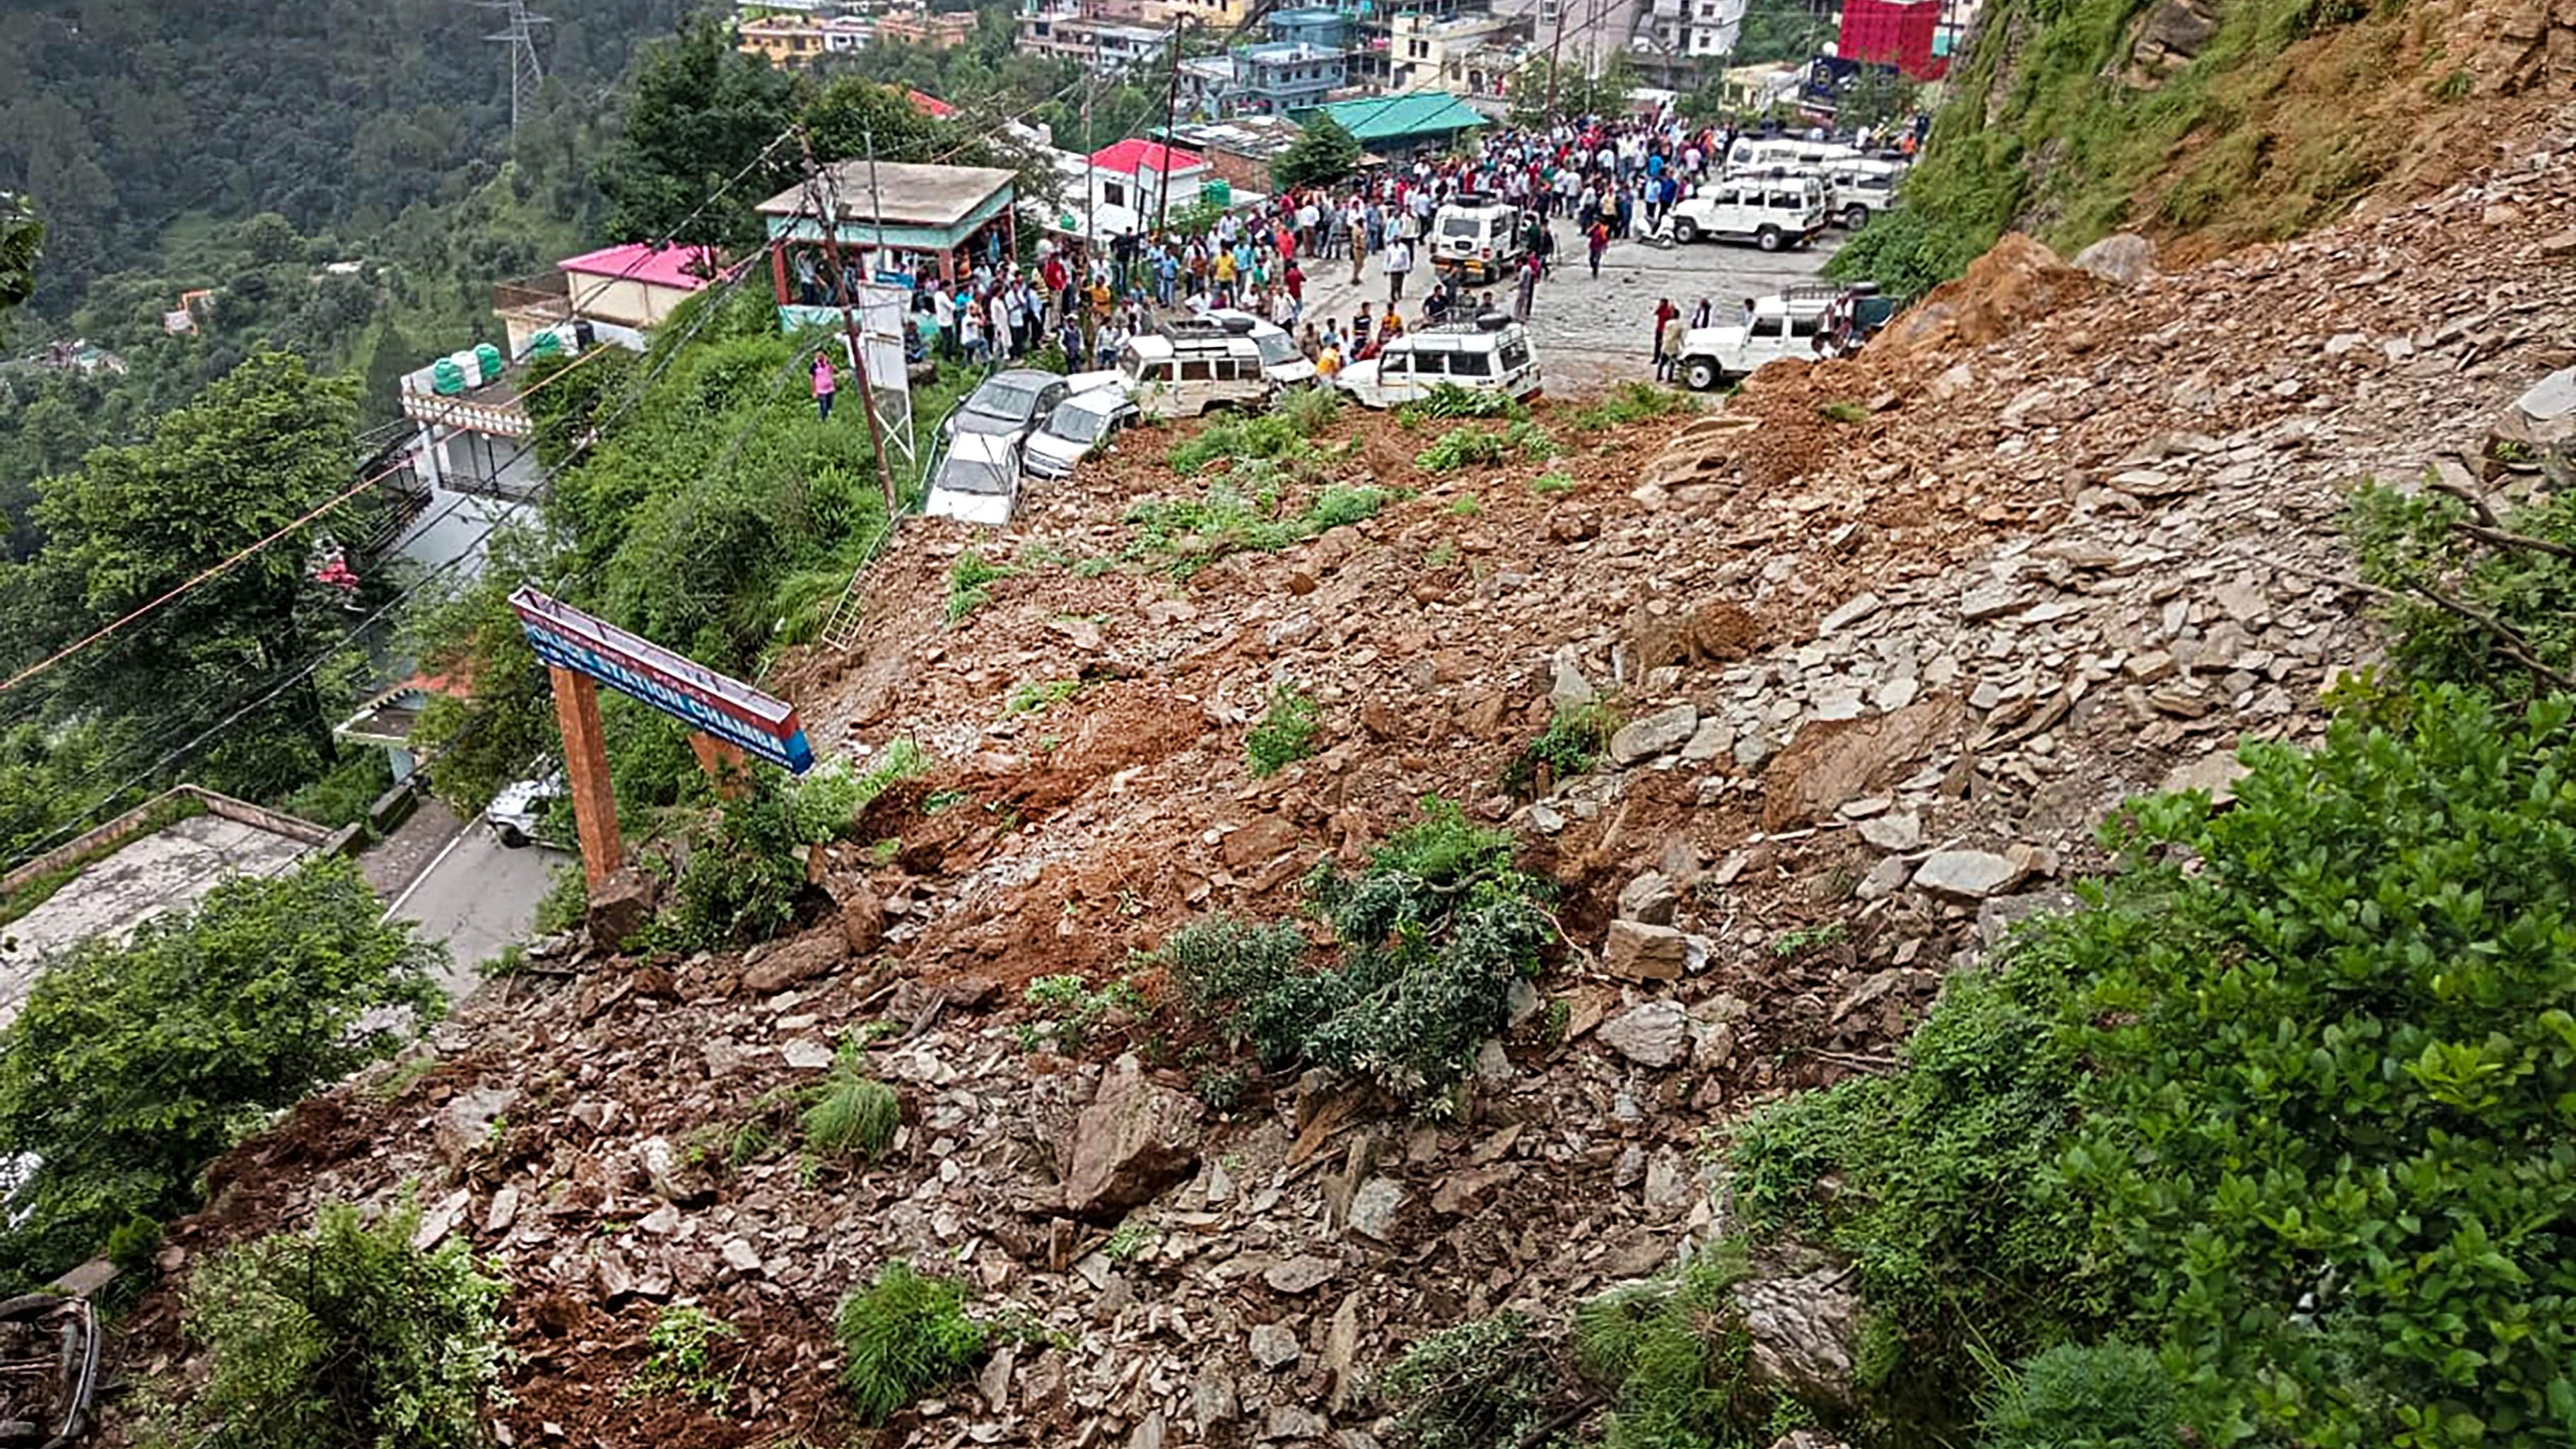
x=1024, y=420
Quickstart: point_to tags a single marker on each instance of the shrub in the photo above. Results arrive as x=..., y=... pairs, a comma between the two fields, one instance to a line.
x=2101, y=1396
x=1285, y=735
x=1634, y=402
x=1572, y=741
x=1312, y=411
x=1433, y=932
x=970, y=585
x=681, y=1357
x=1077, y=1009
x=746, y=868
x=1674, y=1357
x=1198, y=532
x=2427, y=543
x=566, y=902
x=903, y=1336
x=1032, y=698
x=345, y=1335
x=1448, y=400
x=1277, y=436
x=1463, y=447
x=134, y=1063
x=852, y=1114
x=1479, y=1385
x=1548, y=485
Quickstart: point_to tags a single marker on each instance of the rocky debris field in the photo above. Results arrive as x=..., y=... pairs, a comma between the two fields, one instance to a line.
x=1886, y=639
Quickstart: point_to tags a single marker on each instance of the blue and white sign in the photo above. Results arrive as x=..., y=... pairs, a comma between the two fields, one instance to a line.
x=726, y=708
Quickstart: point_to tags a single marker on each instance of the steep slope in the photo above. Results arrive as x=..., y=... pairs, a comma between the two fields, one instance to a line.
x=1895, y=633
x=2213, y=123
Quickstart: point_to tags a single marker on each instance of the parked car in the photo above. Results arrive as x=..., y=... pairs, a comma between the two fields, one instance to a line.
x=1479, y=236
x=519, y=814
x=976, y=479
x=1861, y=189
x=1011, y=402
x=1185, y=367
x=1788, y=325
x=1281, y=362
x=1491, y=353
x=1079, y=424
x=1771, y=212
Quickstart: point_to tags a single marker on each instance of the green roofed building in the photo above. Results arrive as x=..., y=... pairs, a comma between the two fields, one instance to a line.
x=1400, y=125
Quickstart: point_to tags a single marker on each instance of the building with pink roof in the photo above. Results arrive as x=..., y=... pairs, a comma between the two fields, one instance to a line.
x=632, y=285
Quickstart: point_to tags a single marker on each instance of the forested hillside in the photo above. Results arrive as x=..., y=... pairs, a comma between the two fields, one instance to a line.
x=123, y=116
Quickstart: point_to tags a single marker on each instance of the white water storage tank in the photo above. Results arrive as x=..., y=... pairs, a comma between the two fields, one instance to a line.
x=471, y=365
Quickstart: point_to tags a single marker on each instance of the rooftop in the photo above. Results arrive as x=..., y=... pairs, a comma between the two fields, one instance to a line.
x=1286, y=52
x=1258, y=136
x=905, y=193
x=1133, y=155
x=641, y=262
x=1412, y=113
x=931, y=106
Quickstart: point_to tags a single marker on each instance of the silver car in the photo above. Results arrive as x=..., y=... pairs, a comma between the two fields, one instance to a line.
x=1079, y=424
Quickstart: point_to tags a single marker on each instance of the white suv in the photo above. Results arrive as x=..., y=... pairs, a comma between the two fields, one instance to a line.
x=1479, y=236
x=1184, y=367
x=1784, y=326
x=1487, y=354
x=1771, y=212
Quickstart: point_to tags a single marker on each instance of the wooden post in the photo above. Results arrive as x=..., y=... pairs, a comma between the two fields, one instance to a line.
x=594, y=803
x=724, y=763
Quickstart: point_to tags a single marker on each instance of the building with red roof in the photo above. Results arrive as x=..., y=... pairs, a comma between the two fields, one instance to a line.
x=1134, y=175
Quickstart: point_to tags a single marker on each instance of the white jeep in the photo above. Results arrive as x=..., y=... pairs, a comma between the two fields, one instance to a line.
x=1810, y=322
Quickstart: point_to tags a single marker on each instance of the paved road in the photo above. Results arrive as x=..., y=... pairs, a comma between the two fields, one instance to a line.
x=471, y=892
x=1595, y=331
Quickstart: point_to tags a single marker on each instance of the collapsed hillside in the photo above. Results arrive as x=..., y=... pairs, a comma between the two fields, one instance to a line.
x=2209, y=124
x=1888, y=637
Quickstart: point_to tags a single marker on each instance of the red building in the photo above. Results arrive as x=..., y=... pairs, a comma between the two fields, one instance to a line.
x=1893, y=32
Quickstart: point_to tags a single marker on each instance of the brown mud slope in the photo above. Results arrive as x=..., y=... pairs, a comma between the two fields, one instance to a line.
x=1893, y=634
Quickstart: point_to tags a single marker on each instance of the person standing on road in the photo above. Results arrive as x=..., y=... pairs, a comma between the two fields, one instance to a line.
x=1666, y=314
x=1596, y=239
x=1399, y=260
x=1527, y=290
x=824, y=384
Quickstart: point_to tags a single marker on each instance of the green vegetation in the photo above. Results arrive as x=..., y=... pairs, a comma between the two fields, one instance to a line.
x=1843, y=410
x=746, y=866
x=1196, y=533
x=2437, y=557
x=1466, y=447
x=343, y=1335
x=970, y=585
x=1572, y=742
x=903, y=1336
x=1674, y=1356
x=1447, y=400
x=1032, y=698
x=1789, y=944
x=681, y=1360
x=2241, y=144
x=1324, y=154
x=2078, y=1396
x=1549, y=485
x=566, y=902
x=1433, y=930
x=2280, y=1105
x=132, y=1066
x=851, y=1113
x=1634, y=402
x=1465, y=506
x=1486, y=1382
x=1286, y=733
x=1075, y=1010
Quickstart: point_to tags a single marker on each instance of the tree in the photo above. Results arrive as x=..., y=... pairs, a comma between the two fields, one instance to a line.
x=1543, y=92
x=134, y=1064
x=1324, y=154
x=258, y=450
x=1778, y=30
x=22, y=241
x=701, y=112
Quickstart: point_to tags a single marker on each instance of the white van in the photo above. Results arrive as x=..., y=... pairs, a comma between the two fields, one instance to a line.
x=1479, y=236
x=1281, y=362
x=1784, y=326
x=1858, y=190
x=1753, y=154
x=1491, y=353
x=1186, y=366
x=1770, y=212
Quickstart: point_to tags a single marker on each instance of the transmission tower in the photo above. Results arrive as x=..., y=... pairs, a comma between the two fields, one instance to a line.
x=527, y=72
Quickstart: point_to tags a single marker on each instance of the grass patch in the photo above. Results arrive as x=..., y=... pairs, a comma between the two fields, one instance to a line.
x=681, y=1357
x=970, y=584
x=851, y=1114
x=1572, y=742
x=1447, y=400
x=1843, y=410
x=1633, y=402
x=1193, y=533
x=1075, y=1010
x=1031, y=698
x=903, y=1336
x=1549, y=485
x=1285, y=734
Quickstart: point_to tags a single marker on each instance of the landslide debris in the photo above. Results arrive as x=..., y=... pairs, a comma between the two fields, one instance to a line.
x=1875, y=682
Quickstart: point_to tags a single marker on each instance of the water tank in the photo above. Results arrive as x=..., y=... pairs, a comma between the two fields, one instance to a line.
x=1217, y=193
x=470, y=365
x=489, y=358
x=545, y=346
x=446, y=378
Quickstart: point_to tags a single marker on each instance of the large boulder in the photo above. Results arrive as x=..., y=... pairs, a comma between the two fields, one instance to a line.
x=798, y=961
x=1803, y=1331
x=2125, y=258
x=1134, y=1140
x=2012, y=285
x=620, y=909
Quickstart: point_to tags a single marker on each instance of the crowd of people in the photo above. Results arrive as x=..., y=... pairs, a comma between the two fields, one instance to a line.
x=1612, y=179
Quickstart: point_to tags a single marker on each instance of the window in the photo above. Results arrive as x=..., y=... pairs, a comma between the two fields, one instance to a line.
x=1430, y=364
x=1788, y=201
x=1197, y=370
x=1471, y=364
x=1515, y=353
x=1767, y=326
x=1113, y=193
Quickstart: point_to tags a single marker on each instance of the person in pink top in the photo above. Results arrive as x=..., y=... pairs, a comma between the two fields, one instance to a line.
x=824, y=383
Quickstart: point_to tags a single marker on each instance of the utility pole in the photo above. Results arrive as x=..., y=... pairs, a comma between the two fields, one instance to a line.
x=527, y=73
x=1553, y=47
x=827, y=210
x=1171, y=99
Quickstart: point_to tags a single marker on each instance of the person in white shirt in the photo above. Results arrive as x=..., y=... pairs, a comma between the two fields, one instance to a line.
x=1399, y=260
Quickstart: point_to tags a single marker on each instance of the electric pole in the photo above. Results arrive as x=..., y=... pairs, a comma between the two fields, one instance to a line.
x=826, y=205
x=1171, y=99
x=527, y=72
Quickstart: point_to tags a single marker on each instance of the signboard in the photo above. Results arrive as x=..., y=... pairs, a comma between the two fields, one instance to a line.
x=684, y=689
